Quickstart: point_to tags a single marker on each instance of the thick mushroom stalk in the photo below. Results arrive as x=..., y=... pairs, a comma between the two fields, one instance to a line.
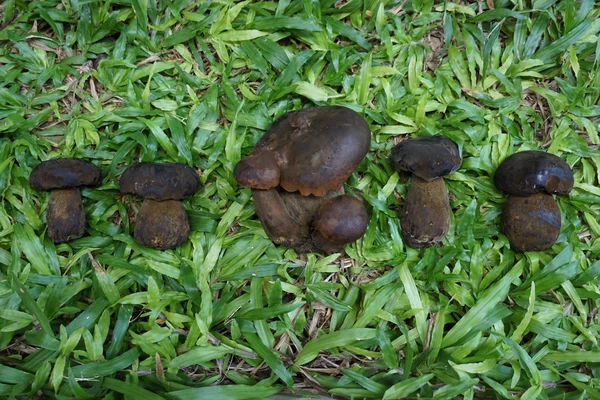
x=162, y=222
x=62, y=177
x=426, y=213
x=65, y=215
x=296, y=173
x=161, y=225
x=425, y=217
x=531, y=223
x=531, y=217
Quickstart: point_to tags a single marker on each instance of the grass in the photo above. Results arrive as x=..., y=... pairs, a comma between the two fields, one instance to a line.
x=231, y=316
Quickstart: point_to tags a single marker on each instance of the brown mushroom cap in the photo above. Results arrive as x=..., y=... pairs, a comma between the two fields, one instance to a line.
x=316, y=150
x=64, y=173
x=66, y=217
x=529, y=172
x=342, y=219
x=259, y=171
x=531, y=223
x=426, y=157
x=159, y=181
x=162, y=224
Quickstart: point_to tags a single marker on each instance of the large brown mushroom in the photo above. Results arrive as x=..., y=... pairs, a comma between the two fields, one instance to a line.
x=531, y=217
x=296, y=173
x=162, y=222
x=63, y=177
x=425, y=217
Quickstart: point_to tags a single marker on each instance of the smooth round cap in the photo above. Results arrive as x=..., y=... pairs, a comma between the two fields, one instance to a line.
x=342, y=219
x=531, y=171
x=160, y=181
x=259, y=171
x=64, y=173
x=426, y=157
x=316, y=149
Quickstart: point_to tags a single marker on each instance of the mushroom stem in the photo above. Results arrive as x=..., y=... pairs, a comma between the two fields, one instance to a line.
x=283, y=223
x=162, y=224
x=66, y=218
x=426, y=214
x=531, y=223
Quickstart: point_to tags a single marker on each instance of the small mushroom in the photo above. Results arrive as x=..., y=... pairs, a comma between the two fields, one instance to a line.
x=531, y=223
x=425, y=217
x=531, y=218
x=296, y=172
x=531, y=171
x=62, y=177
x=162, y=222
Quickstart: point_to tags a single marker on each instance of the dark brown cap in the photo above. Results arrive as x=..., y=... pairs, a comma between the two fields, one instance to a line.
x=426, y=157
x=316, y=150
x=531, y=171
x=64, y=173
x=160, y=181
x=342, y=219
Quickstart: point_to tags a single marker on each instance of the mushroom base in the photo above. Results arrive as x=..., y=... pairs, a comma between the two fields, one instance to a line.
x=161, y=225
x=289, y=220
x=425, y=216
x=66, y=217
x=531, y=223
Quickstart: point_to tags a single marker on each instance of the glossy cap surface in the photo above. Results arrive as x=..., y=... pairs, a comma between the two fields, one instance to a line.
x=529, y=172
x=342, y=219
x=427, y=157
x=315, y=150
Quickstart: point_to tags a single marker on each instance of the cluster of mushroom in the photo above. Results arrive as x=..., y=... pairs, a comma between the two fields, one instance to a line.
x=296, y=173
x=162, y=221
x=531, y=218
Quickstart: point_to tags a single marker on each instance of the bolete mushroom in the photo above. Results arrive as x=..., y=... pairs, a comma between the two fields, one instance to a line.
x=531, y=217
x=296, y=173
x=162, y=222
x=63, y=177
x=425, y=217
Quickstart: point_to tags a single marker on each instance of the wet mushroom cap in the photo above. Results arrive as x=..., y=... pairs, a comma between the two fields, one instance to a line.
x=66, y=217
x=316, y=150
x=162, y=225
x=426, y=157
x=159, y=181
x=529, y=172
x=531, y=223
x=425, y=217
x=259, y=171
x=342, y=219
x=64, y=173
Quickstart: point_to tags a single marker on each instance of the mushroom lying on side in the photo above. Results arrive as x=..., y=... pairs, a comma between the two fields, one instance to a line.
x=296, y=172
x=425, y=217
x=63, y=177
x=531, y=217
x=162, y=221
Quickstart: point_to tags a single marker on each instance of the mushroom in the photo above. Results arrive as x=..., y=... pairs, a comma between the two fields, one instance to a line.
x=296, y=173
x=425, y=217
x=531, y=217
x=62, y=177
x=162, y=221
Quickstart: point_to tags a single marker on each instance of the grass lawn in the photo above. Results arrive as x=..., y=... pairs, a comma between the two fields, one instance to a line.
x=229, y=315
